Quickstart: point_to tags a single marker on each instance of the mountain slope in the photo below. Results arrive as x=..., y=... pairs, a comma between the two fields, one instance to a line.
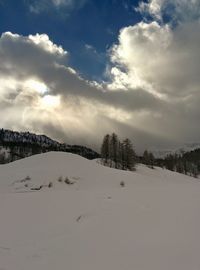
x=187, y=147
x=150, y=224
x=16, y=145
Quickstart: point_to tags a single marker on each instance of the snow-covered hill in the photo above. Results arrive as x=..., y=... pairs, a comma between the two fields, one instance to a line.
x=93, y=223
x=16, y=145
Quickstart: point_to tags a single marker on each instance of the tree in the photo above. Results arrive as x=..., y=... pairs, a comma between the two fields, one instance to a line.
x=128, y=155
x=146, y=157
x=117, y=154
x=170, y=162
x=105, y=149
x=151, y=160
x=120, y=155
x=114, y=149
x=180, y=166
x=194, y=170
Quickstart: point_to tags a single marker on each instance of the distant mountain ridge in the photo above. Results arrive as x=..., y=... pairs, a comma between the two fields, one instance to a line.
x=162, y=153
x=15, y=145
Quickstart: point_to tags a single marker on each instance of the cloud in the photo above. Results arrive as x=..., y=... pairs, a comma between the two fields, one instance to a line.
x=40, y=91
x=162, y=57
x=176, y=10
x=152, y=93
x=140, y=48
x=39, y=6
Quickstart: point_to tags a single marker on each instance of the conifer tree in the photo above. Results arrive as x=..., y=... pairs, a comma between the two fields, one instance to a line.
x=129, y=155
x=114, y=149
x=105, y=149
x=151, y=160
x=121, y=155
x=146, y=157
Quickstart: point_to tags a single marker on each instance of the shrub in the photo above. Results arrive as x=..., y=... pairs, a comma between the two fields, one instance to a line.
x=27, y=178
x=50, y=185
x=68, y=182
x=60, y=179
x=122, y=184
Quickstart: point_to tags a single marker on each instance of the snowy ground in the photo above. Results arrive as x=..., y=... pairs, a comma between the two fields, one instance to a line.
x=95, y=224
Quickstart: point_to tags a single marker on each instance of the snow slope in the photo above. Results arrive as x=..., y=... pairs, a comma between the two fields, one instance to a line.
x=95, y=224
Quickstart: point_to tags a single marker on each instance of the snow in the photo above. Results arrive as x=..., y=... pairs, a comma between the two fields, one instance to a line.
x=4, y=151
x=187, y=147
x=95, y=224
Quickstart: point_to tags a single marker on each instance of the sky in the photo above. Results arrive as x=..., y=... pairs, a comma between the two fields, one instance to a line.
x=78, y=69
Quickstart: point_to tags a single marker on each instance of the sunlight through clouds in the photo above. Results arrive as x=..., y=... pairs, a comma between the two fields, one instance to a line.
x=152, y=80
x=38, y=86
x=50, y=101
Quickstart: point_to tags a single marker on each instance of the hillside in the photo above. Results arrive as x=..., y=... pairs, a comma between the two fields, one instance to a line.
x=187, y=147
x=16, y=145
x=93, y=224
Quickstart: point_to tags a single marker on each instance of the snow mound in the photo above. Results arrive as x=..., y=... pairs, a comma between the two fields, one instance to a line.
x=92, y=222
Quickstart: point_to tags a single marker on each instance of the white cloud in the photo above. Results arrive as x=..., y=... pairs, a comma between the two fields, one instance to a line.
x=49, y=101
x=177, y=10
x=141, y=47
x=153, y=7
x=164, y=60
x=62, y=2
x=46, y=96
x=36, y=85
x=41, y=41
x=161, y=58
x=45, y=43
x=38, y=6
x=153, y=94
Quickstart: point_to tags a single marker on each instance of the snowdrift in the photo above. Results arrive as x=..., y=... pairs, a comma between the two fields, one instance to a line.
x=152, y=223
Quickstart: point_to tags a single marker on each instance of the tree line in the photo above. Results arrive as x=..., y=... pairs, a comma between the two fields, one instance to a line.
x=186, y=163
x=121, y=155
x=118, y=154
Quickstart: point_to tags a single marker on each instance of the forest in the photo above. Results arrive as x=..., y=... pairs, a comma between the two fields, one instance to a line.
x=121, y=155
